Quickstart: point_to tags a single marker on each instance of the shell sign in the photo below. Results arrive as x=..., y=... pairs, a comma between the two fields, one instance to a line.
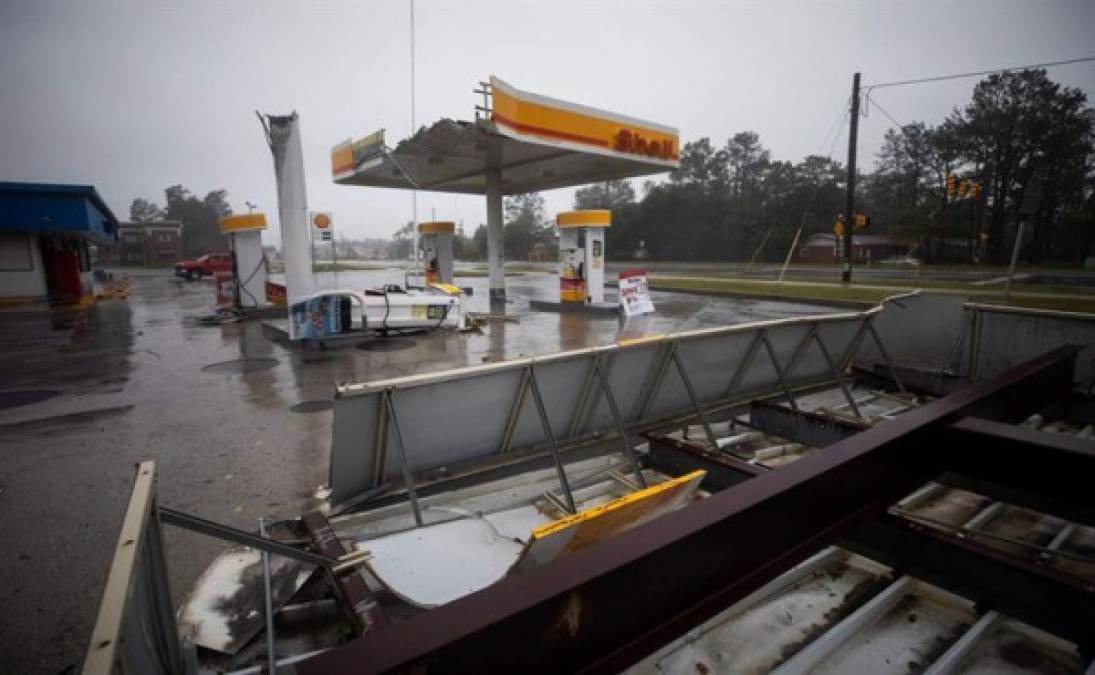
x=527, y=116
x=321, y=220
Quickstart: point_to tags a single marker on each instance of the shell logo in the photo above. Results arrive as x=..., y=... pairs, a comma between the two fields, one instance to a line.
x=321, y=221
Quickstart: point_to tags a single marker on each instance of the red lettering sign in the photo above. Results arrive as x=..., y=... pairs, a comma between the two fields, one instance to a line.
x=633, y=143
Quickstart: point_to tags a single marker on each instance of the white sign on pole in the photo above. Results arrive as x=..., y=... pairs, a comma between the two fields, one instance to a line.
x=634, y=293
x=322, y=221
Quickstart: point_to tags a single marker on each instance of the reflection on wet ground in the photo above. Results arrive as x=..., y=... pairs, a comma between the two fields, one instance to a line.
x=239, y=426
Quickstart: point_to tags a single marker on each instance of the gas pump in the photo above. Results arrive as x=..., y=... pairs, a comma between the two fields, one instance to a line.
x=435, y=239
x=248, y=280
x=582, y=255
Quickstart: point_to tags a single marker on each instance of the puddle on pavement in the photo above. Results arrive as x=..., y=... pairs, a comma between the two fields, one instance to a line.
x=312, y=406
x=240, y=366
x=386, y=345
x=14, y=399
x=26, y=397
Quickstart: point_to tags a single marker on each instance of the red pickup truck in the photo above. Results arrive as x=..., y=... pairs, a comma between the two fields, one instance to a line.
x=207, y=265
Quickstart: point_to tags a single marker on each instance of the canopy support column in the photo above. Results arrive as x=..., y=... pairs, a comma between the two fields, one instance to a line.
x=496, y=255
x=283, y=135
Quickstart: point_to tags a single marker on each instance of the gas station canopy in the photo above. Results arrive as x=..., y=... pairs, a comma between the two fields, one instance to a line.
x=535, y=142
x=526, y=143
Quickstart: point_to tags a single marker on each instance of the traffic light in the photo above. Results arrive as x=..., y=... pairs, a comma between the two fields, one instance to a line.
x=838, y=225
x=975, y=190
x=952, y=185
x=862, y=221
x=963, y=188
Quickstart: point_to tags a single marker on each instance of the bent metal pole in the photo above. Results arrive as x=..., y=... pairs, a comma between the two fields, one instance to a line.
x=283, y=135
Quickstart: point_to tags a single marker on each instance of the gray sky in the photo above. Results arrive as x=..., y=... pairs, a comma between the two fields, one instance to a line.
x=133, y=96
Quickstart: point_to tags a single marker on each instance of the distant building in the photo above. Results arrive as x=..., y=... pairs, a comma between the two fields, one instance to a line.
x=47, y=235
x=153, y=243
x=823, y=248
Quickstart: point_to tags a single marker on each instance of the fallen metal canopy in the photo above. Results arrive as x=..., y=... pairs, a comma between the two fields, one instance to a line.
x=536, y=142
x=603, y=608
x=946, y=338
x=388, y=431
x=453, y=156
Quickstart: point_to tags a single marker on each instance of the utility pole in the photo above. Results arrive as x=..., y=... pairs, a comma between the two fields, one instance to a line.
x=849, y=209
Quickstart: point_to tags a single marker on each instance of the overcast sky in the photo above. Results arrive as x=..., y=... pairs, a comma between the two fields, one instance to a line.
x=133, y=96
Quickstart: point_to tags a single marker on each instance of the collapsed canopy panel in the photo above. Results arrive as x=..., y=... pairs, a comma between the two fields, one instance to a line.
x=537, y=143
x=486, y=411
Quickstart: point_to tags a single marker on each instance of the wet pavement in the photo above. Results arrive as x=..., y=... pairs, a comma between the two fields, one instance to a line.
x=239, y=426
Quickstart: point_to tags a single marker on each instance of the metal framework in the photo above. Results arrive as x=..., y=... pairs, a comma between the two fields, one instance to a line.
x=135, y=631
x=577, y=396
x=602, y=608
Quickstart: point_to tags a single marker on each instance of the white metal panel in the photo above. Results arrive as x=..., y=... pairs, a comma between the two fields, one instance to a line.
x=462, y=415
x=436, y=564
x=1006, y=336
x=445, y=423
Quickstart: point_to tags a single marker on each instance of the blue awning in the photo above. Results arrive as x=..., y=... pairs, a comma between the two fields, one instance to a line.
x=51, y=207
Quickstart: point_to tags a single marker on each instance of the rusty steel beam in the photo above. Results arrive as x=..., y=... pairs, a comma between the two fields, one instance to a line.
x=1002, y=461
x=801, y=426
x=606, y=606
x=1037, y=594
x=365, y=614
x=1043, y=471
x=676, y=457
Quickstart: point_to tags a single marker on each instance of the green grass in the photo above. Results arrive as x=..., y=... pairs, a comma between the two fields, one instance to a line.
x=1031, y=295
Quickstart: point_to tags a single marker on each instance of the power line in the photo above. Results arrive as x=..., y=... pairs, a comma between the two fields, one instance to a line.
x=957, y=76
x=871, y=101
x=839, y=130
x=838, y=124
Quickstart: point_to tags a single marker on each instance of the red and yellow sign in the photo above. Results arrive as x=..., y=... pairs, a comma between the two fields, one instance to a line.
x=437, y=227
x=572, y=290
x=242, y=222
x=321, y=220
x=522, y=114
x=584, y=218
x=346, y=157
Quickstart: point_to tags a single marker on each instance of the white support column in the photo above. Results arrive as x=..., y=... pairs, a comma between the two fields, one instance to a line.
x=496, y=254
x=292, y=205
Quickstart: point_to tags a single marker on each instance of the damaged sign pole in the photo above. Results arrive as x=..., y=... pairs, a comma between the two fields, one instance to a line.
x=283, y=137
